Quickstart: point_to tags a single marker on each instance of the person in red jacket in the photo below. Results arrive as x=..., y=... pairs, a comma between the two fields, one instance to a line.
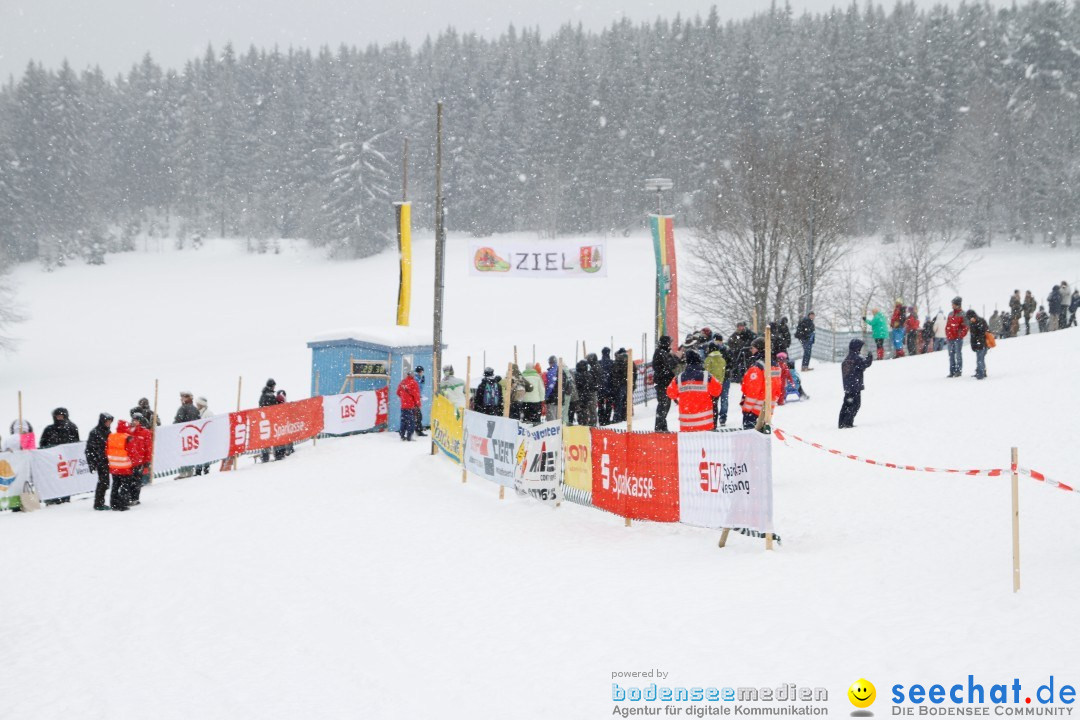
x=141, y=451
x=117, y=447
x=753, y=385
x=408, y=392
x=911, y=331
x=694, y=391
x=955, y=332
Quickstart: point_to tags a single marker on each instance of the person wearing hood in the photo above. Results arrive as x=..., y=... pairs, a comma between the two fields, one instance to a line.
x=117, y=450
x=204, y=412
x=605, y=389
x=622, y=368
x=663, y=364
x=739, y=345
x=61, y=432
x=805, y=333
x=144, y=407
x=753, y=385
x=551, y=388
x=532, y=405
x=851, y=370
x=141, y=452
x=408, y=392
x=879, y=330
x=419, y=411
x=694, y=391
x=187, y=412
x=267, y=398
x=585, y=379
x=782, y=337
x=716, y=363
x=452, y=388
x=978, y=328
x=488, y=398
x=97, y=457
x=22, y=437
x=955, y=332
x=1054, y=304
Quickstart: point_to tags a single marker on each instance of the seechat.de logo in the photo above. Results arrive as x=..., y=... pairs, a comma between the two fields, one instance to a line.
x=862, y=694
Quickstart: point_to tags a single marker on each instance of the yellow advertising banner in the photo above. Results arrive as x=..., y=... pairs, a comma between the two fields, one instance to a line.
x=448, y=427
x=403, y=211
x=577, y=451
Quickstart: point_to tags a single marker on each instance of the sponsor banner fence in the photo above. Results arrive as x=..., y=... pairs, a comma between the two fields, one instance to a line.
x=192, y=443
x=725, y=480
x=275, y=425
x=540, y=466
x=447, y=427
x=645, y=387
x=636, y=475
x=577, y=464
x=61, y=471
x=14, y=471
x=354, y=412
x=491, y=445
x=539, y=259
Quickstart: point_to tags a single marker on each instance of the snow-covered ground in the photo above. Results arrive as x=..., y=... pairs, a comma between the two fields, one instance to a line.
x=361, y=578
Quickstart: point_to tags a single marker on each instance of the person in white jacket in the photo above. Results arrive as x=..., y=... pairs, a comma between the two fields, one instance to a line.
x=204, y=412
x=452, y=388
x=939, y=331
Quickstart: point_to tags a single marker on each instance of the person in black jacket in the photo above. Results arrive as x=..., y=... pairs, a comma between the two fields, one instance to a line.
x=98, y=459
x=664, y=364
x=267, y=397
x=804, y=333
x=739, y=345
x=977, y=328
x=782, y=338
x=488, y=398
x=586, y=378
x=618, y=383
x=61, y=432
x=145, y=410
x=852, y=371
x=187, y=412
x=606, y=389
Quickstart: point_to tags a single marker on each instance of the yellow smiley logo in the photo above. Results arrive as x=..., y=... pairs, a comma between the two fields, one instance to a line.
x=862, y=693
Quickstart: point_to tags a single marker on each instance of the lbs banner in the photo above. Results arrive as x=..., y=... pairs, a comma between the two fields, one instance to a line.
x=725, y=480
x=275, y=425
x=14, y=470
x=347, y=414
x=636, y=475
x=540, y=460
x=491, y=445
x=61, y=471
x=193, y=443
x=539, y=259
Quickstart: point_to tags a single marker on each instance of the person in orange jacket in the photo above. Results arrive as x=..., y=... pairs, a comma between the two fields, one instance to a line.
x=693, y=391
x=753, y=385
x=117, y=449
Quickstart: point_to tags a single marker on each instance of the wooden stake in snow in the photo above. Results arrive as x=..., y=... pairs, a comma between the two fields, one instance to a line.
x=1015, y=522
x=645, y=370
x=558, y=394
x=506, y=404
x=153, y=430
x=229, y=463
x=468, y=380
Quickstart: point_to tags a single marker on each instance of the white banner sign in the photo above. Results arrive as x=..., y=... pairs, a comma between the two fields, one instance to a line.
x=344, y=414
x=61, y=471
x=725, y=480
x=14, y=470
x=538, y=259
x=191, y=443
x=491, y=445
x=540, y=458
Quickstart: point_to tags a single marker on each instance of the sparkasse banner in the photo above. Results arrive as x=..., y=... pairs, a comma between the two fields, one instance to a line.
x=538, y=259
x=268, y=427
x=192, y=443
x=725, y=480
x=61, y=471
x=635, y=475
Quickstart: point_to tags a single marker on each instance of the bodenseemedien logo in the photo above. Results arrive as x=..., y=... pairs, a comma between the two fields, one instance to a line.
x=862, y=695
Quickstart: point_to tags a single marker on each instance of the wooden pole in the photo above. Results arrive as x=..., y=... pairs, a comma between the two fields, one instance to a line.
x=576, y=356
x=584, y=350
x=239, y=388
x=468, y=382
x=229, y=463
x=629, y=390
x=1015, y=522
x=153, y=430
x=506, y=404
x=645, y=370
x=515, y=356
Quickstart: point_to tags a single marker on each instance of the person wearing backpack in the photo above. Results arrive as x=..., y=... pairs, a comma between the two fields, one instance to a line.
x=488, y=398
x=978, y=331
x=804, y=333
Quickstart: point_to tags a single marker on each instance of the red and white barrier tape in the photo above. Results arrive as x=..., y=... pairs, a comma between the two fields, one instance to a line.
x=783, y=436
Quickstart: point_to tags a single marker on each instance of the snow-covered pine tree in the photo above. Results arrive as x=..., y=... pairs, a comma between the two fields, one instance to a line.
x=357, y=206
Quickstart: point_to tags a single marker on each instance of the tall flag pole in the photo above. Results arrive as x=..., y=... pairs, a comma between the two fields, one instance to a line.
x=403, y=224
x=440, y=258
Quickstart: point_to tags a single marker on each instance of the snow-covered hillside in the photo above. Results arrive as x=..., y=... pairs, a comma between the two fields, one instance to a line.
x=360, y=578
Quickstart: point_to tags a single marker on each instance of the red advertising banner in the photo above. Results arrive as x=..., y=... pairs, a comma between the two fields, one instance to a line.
x=636, y=475
x=268, y=427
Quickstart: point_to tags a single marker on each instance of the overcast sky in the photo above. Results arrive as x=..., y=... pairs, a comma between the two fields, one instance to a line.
x=117, y=33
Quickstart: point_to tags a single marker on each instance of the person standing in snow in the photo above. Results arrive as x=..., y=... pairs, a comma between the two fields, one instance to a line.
x=896, y=324
x=664, y=364
x=141, y=451
x=994, y=324
x=911, y=331
x=1066, y=298
x=804, y=333
x=532, y=406
x=452, y=388
x=488, y=399
x=187, y=412
x=978, y=329
x=120, y=466
x=98, y=459
x=879, y=330
x=618, y=384
x=939, y=331
x=268, y=398
x=408, y=392
x=782, y=336
x=204, y=412
x=1054, y=305
x=739, y=345
x=586, y=378
x=1074, y=305
x=605, y=389
x=753, y=384
x=144, y=408
x=1029, y=308
x=551, y=388
x=22, y=437
x=851, y=370
x=61, y=432
x=418, y=373
x=1016, y=307
x=695, y=391
x=955, y=332
x=1043, y=320
x=717, y=367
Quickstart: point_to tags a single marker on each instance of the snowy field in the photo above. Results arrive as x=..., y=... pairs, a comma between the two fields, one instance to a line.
x=361, y=579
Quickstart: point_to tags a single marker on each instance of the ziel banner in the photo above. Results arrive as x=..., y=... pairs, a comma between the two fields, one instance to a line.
x=14, y=470
x=540, y=463
x=635, y=475
x=491, y=446
x=268, y=427
x=539, y=259
x=447, y=427
x=725, y=480
x=61, y=471
x=192, y=443
x=355, y=412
